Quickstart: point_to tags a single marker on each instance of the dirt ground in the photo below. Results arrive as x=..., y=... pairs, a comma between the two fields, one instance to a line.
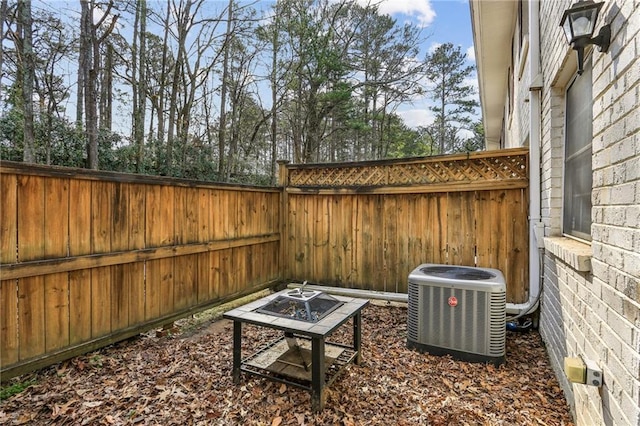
x=185, y=379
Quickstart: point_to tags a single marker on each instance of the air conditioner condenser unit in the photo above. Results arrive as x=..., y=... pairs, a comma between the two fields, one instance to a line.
x=458, y=311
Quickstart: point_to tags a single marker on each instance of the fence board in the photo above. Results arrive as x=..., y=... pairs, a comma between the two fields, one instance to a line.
x=56, y=296
x=102, y=206
x=366, y=248
x=166, y=286
x=487, y=231
x=517, y=242
x=120, y=296
x=415, y=228
x=226, y=275
x=520, y=248
x=9, y=343
x=137, y=216
x=238, y=271
x=152, y=289
x=186, y=216
x=80, y=296
x=230, y=206
x=8, y=218
x=219, y=219
x=31, y=314
x=101, y=301
x=30, y=198
x=341, y=224
x=56, y=286
x=134, y=272
x=185, y=274
x=134, y=276
x=80, y=193
x=319, y=256
x=31, y=243
x=214, y=275
x=460, y=230
x=436, y=224
x=392, y=216
x=118, y=223
x=204, y=275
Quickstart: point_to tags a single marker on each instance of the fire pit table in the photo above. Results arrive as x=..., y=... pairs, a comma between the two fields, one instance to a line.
x=301, y=357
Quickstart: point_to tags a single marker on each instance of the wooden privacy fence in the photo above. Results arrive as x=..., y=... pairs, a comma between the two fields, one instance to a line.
x=368, y=225
x=89, y=258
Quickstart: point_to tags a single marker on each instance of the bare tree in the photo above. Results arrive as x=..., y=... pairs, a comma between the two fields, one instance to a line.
x=223, y=170
x=27, y=72
x=90, y=67
x=139, y=80
x=3, y=17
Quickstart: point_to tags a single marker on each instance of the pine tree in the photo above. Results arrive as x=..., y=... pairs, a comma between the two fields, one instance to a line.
x=454, y=106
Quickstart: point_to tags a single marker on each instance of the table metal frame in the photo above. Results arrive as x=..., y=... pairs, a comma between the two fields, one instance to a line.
x=321, y=374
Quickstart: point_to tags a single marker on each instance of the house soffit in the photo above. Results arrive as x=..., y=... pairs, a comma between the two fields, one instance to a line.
x=493, y=24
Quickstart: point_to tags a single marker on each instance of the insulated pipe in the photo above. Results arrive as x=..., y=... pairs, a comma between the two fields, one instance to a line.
x=536, y=227
x=350, y=292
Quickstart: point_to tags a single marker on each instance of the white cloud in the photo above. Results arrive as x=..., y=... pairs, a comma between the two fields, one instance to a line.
x=471, y=54
x=416, y=117
x=421, y=10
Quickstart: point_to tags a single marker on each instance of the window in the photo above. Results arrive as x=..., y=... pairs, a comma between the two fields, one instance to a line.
x=577, y=156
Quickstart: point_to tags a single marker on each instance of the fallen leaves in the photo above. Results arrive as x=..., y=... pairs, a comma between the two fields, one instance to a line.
x=186, y=380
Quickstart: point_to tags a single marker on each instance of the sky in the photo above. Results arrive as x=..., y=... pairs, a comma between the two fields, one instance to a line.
x=444, y=21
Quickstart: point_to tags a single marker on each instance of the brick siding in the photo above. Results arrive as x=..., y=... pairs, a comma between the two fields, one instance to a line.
x=596, y=314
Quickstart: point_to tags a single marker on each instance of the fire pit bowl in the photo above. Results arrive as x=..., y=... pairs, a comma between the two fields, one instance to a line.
x=302, y=305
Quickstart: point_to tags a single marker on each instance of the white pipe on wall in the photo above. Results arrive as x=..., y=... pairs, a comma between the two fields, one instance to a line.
x=536, y=227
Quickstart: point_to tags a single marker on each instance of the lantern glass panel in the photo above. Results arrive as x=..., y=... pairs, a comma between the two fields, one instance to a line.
x=583, y=22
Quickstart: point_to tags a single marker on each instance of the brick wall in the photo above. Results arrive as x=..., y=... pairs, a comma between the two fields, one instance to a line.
x=595, y=312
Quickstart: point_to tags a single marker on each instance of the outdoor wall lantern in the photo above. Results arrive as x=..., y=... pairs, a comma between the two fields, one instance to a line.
x=578, y=23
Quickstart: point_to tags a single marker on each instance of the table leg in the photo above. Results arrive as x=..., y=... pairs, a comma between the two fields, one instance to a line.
x=317, y=374
x=357, y=337
x=237, y=350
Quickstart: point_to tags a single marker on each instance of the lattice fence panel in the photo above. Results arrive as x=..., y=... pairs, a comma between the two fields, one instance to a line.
x=452, y=169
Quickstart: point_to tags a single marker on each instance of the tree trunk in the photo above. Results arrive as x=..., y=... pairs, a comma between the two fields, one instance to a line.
x=163, y=78
x=3, y=15
x=106, y=91
x=139, y=81
x=274, y=99
x=87, y=44
x=223, y=168
x=178, y=75
x=28, y=70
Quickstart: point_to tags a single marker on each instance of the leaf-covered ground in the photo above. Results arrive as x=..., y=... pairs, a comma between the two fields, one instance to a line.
x=185, y=379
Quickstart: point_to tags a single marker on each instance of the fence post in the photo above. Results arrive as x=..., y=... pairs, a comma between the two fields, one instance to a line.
x=283, y=182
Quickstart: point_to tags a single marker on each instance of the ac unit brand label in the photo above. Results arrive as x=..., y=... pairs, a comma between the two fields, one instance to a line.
x=453, y=301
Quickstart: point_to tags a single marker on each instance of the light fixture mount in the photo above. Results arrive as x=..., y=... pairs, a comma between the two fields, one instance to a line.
x=579, y=23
